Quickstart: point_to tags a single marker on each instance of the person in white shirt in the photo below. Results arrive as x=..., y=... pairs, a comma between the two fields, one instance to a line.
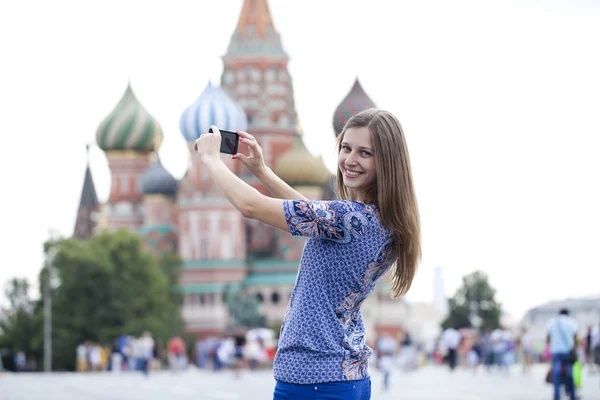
x=562, y=338
x=499, y=339
x=386, y=349
x=145, y=346
x=451, y=339
x=526, y=349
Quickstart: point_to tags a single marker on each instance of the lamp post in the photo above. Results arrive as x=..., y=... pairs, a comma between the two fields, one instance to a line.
x=48, y=264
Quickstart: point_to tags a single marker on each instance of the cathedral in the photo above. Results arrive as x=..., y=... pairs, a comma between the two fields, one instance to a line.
x=219, y=248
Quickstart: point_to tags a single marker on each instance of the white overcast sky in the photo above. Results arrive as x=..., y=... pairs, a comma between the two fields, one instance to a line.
x=500, y=102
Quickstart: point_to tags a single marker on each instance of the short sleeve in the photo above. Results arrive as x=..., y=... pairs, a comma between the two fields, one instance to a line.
x=339, y=221
x=549, y=326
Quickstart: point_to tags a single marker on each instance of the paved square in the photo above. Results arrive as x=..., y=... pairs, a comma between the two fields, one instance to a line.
x=429, y=383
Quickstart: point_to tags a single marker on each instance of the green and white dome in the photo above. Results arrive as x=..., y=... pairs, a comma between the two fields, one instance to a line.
x=129, y=127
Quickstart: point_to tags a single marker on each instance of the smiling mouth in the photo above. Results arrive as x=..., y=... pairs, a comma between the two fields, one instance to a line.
x=352, y=173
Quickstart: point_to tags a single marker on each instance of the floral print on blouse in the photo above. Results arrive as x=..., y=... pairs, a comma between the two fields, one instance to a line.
x=322, y=335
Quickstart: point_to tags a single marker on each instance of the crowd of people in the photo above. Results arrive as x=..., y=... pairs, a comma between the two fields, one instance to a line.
x=237, y=351
x=567, y=350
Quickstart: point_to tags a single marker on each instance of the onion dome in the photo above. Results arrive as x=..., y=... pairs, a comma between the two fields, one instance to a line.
x=213, y=107
x=129, y=127
x=299, y=167
x=354, y=102
x=157, y=180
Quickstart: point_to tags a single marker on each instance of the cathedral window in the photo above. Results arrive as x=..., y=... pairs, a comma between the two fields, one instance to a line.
x=275, y=298
x=124, y=185
x=228, y=77
x=254, y=88
x=270, y=75
x=204, y=252
x=284, y=121
x=255, y=73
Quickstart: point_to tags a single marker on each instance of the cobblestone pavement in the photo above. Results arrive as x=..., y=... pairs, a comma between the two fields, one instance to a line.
x=429, y=383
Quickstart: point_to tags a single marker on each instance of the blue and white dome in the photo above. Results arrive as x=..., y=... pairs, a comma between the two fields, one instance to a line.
x=213, y=107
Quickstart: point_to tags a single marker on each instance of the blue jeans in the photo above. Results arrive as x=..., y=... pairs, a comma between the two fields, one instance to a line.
x=559, y=360
x=345, y=390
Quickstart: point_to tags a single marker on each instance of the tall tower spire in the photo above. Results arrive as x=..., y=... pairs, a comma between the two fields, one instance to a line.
x=255, y=18
x=255, y=74
x=85, y=223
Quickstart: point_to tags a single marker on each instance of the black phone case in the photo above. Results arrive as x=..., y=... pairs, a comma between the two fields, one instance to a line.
x=229, y=141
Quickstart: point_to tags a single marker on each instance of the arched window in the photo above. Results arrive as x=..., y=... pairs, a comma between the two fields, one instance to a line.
x=275, y=298
x=260, y=297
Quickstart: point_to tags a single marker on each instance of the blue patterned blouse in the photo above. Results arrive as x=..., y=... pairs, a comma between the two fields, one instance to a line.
x=322, y=336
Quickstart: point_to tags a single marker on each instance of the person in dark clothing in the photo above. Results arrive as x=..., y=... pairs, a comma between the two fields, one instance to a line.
x=239, y=341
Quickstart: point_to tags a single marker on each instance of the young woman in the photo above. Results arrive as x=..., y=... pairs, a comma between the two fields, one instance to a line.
x=352, y=242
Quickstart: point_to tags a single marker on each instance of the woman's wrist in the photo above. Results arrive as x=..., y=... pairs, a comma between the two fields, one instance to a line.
x=263, y=174
x=209, y=159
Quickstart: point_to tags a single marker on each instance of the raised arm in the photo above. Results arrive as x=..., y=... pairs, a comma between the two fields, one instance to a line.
x=278, y=187
x=249, y=201
x=255, y=163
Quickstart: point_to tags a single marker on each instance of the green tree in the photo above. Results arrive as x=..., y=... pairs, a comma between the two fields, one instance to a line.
x=108, y=286
x=474, y=304
x=170, y=265
x=243, y=308
x=21, y=330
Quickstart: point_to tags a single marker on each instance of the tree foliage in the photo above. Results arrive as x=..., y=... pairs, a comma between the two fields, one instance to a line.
x=21, y=330
x=243, y=308
x=101, y=288
x=473, y=302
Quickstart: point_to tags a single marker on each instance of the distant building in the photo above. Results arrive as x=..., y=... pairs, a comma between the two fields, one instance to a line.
x=190, y=216
x=586, y=311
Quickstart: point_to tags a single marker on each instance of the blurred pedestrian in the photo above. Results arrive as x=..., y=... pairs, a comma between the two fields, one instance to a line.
x=562, y=338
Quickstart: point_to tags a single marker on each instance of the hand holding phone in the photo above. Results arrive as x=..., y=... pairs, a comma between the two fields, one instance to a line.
x=229, y=141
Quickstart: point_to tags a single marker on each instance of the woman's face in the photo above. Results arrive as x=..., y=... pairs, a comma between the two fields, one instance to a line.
x=356, y=161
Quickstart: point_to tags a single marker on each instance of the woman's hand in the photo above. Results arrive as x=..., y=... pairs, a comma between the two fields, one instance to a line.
x=255, y=161
x=208, y=145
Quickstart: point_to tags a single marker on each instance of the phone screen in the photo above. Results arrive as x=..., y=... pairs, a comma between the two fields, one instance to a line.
x=229, y=141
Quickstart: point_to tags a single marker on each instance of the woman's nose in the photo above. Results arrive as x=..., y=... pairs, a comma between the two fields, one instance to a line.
x=351, y=159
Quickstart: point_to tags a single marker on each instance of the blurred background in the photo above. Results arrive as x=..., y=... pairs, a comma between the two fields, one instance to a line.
x=113, y=230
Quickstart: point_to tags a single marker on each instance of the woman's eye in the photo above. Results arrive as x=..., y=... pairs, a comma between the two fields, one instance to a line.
x=345, y=148
x=365, y=154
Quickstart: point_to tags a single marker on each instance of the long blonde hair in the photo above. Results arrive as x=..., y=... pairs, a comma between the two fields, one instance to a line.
x=392, y=192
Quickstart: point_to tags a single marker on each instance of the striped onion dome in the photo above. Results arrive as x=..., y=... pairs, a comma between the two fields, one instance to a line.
x=157, y=180
x=298, y=167
x=354, y=102
x=213, y=107
x=129, y=127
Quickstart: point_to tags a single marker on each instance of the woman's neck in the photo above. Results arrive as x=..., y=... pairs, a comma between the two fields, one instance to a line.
x=356, y=195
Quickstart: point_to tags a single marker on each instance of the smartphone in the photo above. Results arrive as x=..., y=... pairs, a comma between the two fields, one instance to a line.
x=229, y=141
